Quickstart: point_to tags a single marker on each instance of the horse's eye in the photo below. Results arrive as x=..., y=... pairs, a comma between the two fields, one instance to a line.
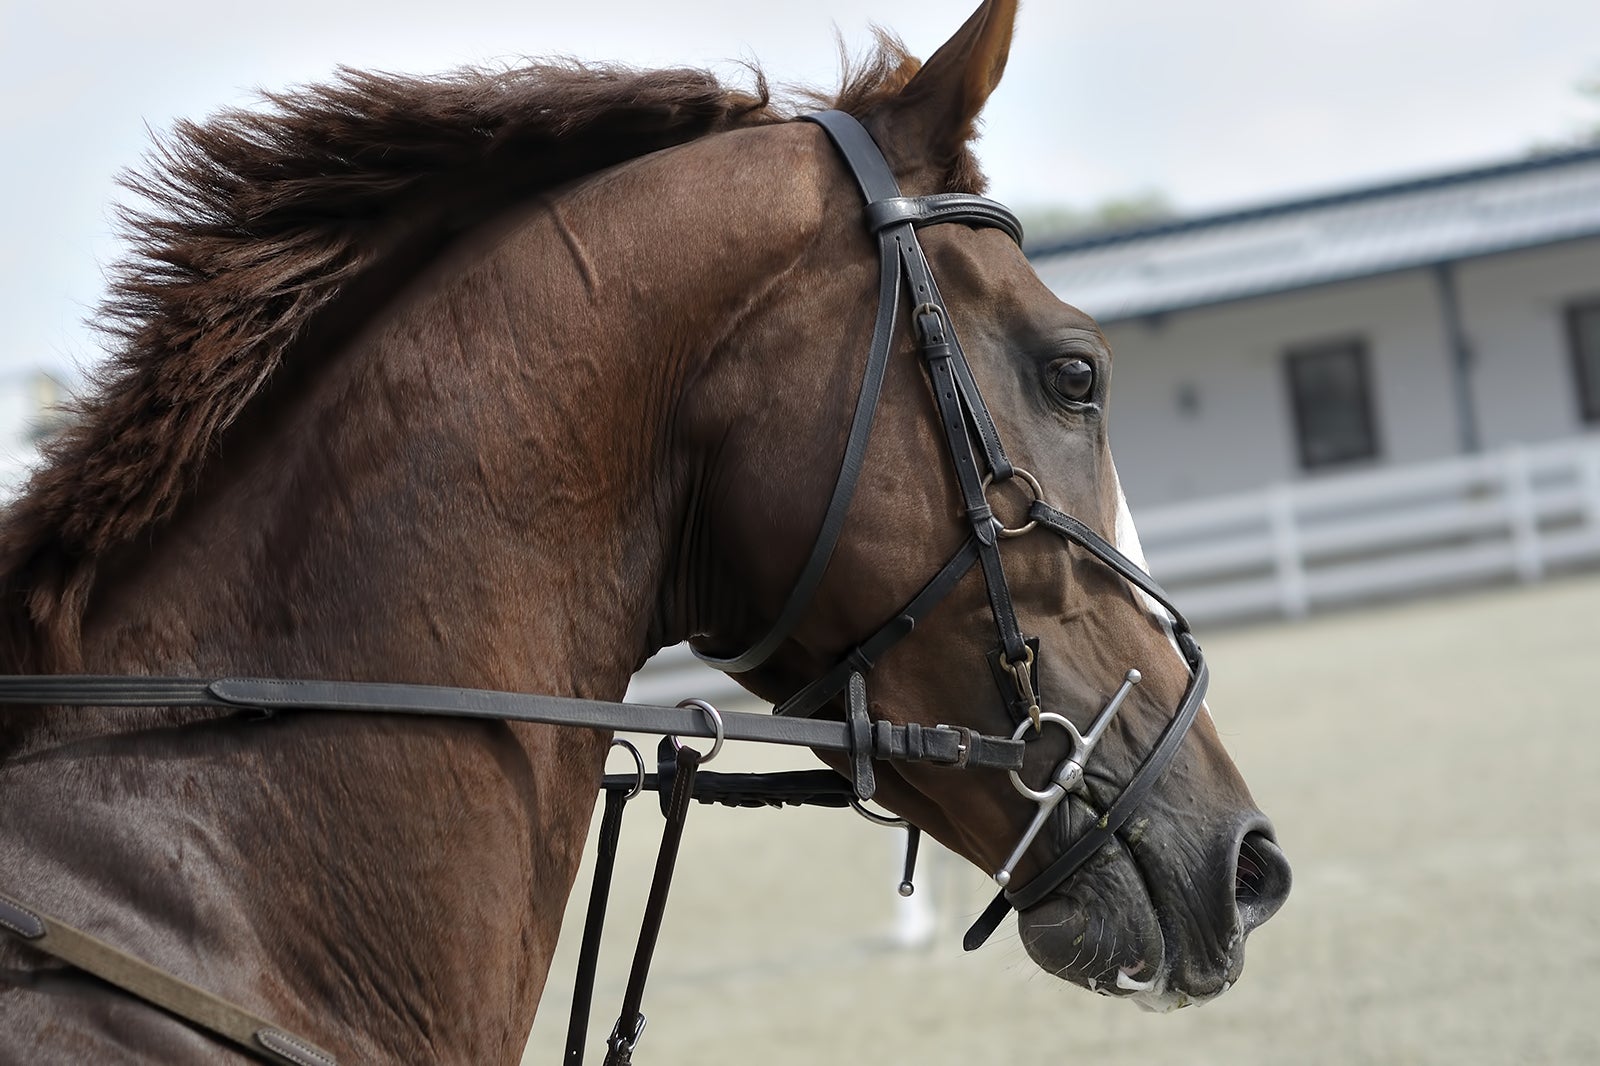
x=1073, y=379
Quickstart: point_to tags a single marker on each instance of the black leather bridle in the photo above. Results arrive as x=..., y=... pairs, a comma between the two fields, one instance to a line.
x=971, y=439
x=970, y=436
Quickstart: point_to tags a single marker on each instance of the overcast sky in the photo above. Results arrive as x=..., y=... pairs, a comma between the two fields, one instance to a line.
x=1214, y=104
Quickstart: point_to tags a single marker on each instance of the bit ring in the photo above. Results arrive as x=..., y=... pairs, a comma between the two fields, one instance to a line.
x=1041, y=795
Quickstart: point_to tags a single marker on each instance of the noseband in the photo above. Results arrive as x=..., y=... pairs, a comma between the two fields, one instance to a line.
x=971, y=439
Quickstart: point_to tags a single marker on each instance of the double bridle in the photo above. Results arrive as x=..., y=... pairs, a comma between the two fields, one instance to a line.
x=971, y=439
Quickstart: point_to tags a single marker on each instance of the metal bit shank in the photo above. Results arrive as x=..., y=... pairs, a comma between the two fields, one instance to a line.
x=1068, y=777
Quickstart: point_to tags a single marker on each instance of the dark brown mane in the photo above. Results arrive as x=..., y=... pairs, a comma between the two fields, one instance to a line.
x=257, y=221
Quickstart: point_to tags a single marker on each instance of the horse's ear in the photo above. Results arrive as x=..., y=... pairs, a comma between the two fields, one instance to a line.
x=935, y=112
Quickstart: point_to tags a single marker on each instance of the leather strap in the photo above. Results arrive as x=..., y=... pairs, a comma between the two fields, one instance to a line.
x=1070, y=528
x=630, y=1022
x=248, y=1032
x=1084, y=848
x=954, y=747
x=894, y=219
x=844, y=487
x=864, y=656
x=860, y=153
x=594, y=922
x=785, y=788
x=942, y=207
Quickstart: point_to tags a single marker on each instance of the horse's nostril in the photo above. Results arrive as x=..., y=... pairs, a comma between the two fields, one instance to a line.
x=1261, y=879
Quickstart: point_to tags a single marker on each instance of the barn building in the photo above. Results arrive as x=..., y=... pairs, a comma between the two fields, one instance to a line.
x=1378, y=327
x=1360, y=394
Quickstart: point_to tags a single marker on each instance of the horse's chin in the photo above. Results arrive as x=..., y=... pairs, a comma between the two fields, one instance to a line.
x=1102, y=932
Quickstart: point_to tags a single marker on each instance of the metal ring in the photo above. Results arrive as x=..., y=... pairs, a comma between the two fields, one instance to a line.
x=638, y=763
x=716, y=720
x=1025, y=663
x=878, y=819
x=1041, y=795
x=1038, y=494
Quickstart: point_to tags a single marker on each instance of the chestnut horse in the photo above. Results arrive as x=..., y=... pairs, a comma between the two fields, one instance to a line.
x=507, y=380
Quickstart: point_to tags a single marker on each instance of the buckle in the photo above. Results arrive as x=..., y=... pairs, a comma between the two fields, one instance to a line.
x=621, y=1047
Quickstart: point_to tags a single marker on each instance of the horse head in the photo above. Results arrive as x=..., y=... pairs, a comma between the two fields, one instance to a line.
x=1092, y=671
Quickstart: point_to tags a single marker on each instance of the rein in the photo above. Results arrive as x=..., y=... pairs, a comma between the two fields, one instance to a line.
x=259, y=698
x=971, y=439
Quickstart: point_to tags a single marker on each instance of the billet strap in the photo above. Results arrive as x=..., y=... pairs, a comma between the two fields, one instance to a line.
x=249, y=1032
x=630, y=1021
x=941, y=350
x=948, y=746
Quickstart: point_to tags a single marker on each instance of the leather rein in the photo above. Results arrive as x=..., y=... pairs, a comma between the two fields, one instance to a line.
x=978, y=458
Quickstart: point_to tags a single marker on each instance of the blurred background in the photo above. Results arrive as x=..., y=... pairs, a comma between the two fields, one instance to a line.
x=1348, y=256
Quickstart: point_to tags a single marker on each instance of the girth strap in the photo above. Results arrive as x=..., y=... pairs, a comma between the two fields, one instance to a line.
x=249, y=1032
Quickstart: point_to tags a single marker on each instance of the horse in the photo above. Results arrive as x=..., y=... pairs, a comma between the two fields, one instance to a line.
x=508, y=379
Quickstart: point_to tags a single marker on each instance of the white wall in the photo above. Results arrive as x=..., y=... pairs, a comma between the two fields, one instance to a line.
x=1514, y=309
x=1242, y=437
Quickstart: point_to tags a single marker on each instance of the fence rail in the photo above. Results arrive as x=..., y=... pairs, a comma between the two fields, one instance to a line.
x=1516, y=513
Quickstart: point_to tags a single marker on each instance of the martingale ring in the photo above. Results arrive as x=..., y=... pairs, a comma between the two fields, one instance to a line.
x=716, y=721
x=1038, y=494
x=638, y=766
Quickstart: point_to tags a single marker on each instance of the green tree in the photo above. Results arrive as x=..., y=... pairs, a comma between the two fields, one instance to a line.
x=1060, y=222
x=1590, y=90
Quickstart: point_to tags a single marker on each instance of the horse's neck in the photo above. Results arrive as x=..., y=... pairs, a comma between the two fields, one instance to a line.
x=454, y=499
x=474, y=493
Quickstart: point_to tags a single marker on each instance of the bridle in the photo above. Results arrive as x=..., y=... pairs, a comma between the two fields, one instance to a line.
x=971, y=438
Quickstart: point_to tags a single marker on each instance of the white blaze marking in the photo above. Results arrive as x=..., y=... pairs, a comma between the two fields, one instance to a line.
x=1128, y=544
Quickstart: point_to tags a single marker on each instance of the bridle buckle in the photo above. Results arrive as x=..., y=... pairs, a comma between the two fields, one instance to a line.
x=1022, y=675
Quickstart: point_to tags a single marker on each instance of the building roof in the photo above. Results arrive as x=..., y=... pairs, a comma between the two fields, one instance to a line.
x=1235, y=255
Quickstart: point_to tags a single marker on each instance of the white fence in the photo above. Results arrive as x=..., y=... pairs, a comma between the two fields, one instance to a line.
x=1291, y=549
x=1285, y=551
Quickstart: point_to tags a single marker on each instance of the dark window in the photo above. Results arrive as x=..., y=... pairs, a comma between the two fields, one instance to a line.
x=1331, y=391
x=1583, y=331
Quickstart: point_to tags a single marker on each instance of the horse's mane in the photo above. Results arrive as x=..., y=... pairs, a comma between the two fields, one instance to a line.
x=253, y=224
